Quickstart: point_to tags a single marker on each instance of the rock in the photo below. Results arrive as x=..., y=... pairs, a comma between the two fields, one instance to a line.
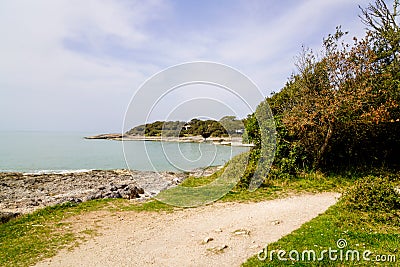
x=74, y=200
x=21, y=192
x=218, y=230
x=241, y=232
x=207, y=239
x=122, y=186
x=98, y=195
x=140, y=190
x=89, y=197
x=221, y=248
x=276, y=222
x=113, y=194
x=6, y=216
x=112, y=136
x=218, y=250
x=134, y=192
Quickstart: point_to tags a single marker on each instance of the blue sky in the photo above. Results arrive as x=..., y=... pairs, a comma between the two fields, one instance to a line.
x=74, y=65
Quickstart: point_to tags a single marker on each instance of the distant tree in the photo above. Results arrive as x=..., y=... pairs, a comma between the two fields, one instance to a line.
x=205, y=135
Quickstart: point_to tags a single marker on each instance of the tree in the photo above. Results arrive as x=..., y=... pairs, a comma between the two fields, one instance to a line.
x=205, y=135
x=383, y=24
x=342, y=104
x=384, y=27
x=343, y=89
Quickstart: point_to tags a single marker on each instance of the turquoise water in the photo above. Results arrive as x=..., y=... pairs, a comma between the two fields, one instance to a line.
x=58, y=152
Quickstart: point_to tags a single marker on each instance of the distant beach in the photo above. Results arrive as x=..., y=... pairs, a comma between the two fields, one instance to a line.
x=229, y=141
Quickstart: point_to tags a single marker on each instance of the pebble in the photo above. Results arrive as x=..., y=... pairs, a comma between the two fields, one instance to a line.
x=207, y=239
x=276, y=222
x=241, y=232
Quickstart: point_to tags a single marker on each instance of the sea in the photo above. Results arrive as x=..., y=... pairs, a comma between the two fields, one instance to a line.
x=60, y=152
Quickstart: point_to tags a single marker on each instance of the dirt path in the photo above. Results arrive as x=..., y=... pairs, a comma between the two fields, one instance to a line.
x=235, y=231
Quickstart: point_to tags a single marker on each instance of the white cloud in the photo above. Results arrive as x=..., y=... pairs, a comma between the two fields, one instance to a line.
x=75, y=64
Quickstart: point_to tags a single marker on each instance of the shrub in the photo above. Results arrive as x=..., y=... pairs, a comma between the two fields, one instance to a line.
x=373, y=194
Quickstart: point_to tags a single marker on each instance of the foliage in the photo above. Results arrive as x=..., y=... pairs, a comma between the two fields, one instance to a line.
x=376, y=194
x=341, y=109
x=252, y=162
x=252, y=131
x=205, y=128
x=169, y=128
x=227, y=125
x=337, y=92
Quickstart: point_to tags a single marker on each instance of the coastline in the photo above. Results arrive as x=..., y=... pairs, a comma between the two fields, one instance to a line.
x=228, y=141
x=22, y=193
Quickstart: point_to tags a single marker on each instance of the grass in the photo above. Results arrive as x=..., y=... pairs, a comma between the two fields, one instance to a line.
x=312, y=182
x=32, y=237
x=358, y=228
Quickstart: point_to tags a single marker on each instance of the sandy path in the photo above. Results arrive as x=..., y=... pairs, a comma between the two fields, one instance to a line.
x=176, y=239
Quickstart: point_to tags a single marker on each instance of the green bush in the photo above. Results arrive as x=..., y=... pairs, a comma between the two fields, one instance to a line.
x=376, y=194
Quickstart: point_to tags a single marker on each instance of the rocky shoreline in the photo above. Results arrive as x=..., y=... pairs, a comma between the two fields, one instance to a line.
x=22, y=193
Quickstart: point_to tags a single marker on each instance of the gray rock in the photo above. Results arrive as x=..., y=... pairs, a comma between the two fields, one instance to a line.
x=6, y=216
x=26, y=192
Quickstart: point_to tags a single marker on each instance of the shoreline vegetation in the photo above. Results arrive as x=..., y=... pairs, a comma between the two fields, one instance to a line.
x=227, y=131
x=228, y=141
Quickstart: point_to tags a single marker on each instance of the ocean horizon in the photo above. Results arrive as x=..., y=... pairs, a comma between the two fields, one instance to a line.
x=62, y=152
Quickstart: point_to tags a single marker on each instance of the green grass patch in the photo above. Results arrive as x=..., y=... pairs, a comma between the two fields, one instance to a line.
x=33, y=237
x=360, y=230
x=150, y=206
x=206, y=189
x=202, y=180
x=311, y=182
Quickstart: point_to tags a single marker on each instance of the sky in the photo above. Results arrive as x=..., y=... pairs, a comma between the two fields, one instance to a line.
x=76, y=65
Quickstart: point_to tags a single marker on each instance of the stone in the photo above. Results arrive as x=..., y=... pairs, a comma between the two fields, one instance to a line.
x=6, y=216
x=241, y=232
x=218, y=250
x=276, y=222
x=222, y=247
x=207, y=239
x=23, y=192
x=121, y=186
x=140, y=190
